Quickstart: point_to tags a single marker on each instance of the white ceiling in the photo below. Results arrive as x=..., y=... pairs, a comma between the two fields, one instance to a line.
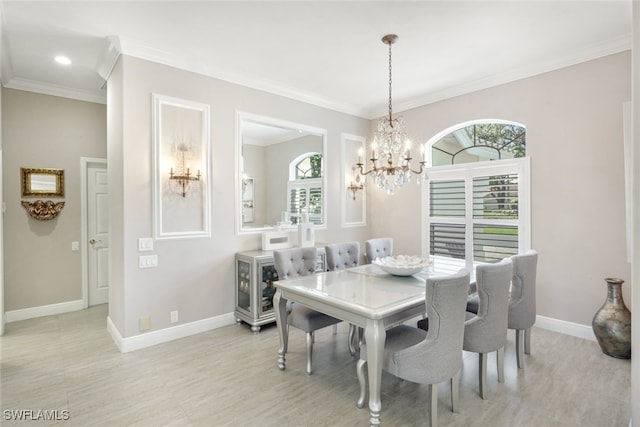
x=322, y=52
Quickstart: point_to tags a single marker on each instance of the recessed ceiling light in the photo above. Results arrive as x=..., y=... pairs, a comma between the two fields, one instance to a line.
x=62, y=60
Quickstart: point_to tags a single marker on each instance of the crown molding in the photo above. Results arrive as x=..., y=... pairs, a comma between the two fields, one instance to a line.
x=130, y=48
x=108, y=58
x=6, y=67
x=116, y=46
x=56, y=90
x=590, y=53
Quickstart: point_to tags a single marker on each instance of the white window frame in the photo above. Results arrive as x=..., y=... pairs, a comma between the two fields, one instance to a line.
x=467, y=171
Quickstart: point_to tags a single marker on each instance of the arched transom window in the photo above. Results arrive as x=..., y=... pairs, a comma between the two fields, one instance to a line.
x=478, y=142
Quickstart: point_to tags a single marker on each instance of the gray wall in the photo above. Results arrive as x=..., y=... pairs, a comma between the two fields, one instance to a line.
x=195, y=276
x=575, y=139
x=2, y=304
x=635, y=328
x=45, y=131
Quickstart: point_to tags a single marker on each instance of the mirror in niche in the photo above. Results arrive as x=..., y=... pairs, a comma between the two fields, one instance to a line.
x=41, y=182
x=354, y=195
x=281, y=173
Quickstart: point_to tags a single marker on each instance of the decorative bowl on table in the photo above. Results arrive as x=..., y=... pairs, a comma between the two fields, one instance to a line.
x=401, y=265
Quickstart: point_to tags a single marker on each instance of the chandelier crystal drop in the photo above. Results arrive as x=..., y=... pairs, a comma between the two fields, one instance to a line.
x=391, y=146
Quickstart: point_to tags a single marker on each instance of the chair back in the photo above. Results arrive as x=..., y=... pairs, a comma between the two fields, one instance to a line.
x=487, y=330
x=439, y=356
x=295, y=262
x=342, y=255
x=378, y=248
x=522, y=303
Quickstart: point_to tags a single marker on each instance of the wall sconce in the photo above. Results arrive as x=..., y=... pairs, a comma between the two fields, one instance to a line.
x=181, y=179
x=356, y=182
x=353, y=187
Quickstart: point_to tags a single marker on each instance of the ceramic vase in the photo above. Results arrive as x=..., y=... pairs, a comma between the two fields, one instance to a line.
x=612, y=323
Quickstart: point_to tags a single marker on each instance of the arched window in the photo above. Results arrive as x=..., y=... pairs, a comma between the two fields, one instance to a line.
x=479, y=141
x=304, y=191
x=477, y=202
x=308, y=165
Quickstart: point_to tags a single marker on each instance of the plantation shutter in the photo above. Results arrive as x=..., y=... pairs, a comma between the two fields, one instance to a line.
x=447, y=239
x=305, y=195
x=495, y=214
x=474, y=213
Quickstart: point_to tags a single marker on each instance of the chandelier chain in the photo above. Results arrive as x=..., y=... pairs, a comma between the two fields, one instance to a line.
x=390, y=107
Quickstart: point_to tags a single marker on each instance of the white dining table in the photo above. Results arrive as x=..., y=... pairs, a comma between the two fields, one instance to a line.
x=364, y=296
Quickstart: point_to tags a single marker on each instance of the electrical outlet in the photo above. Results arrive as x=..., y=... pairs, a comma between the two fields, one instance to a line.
x=174, y=316
x=144, y=323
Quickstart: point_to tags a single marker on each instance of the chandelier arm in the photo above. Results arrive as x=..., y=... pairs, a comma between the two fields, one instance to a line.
x=418, y=172
x=362, y=171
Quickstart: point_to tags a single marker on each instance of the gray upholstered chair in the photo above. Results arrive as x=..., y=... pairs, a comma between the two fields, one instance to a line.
x=296, y=262
x=341, y=256
x=486, y=331
x=522, y=301
x=433, y=356
x=378, y=248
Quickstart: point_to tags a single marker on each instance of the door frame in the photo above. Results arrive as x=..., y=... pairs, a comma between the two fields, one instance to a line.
x=85, y=164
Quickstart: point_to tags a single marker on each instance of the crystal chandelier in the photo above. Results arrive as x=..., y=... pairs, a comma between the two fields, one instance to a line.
x=391, y=146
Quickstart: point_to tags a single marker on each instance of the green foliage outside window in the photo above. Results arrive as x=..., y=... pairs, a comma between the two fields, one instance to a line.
x=309, y=167
x=500, y=136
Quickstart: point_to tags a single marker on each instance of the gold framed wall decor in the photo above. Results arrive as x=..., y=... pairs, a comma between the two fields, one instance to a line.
x=42, y=182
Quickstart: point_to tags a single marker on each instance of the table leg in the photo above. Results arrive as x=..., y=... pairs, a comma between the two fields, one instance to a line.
x=375, y=336
x=280, y=306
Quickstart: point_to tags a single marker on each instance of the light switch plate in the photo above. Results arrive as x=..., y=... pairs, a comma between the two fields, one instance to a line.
x=148, y=261
x=145, y=244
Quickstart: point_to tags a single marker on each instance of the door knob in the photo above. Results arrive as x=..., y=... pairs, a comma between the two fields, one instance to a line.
x=92, y=241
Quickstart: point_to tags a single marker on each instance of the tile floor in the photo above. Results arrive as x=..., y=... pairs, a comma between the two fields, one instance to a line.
x=229, y=377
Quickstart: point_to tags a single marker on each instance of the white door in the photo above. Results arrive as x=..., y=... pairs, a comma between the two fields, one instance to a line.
x=98, y=234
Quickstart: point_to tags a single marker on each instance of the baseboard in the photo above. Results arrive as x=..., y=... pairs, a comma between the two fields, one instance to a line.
x=115, y=334
x=43, y=310
x=149, y=339
x=567, y=328
x=152, y=338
